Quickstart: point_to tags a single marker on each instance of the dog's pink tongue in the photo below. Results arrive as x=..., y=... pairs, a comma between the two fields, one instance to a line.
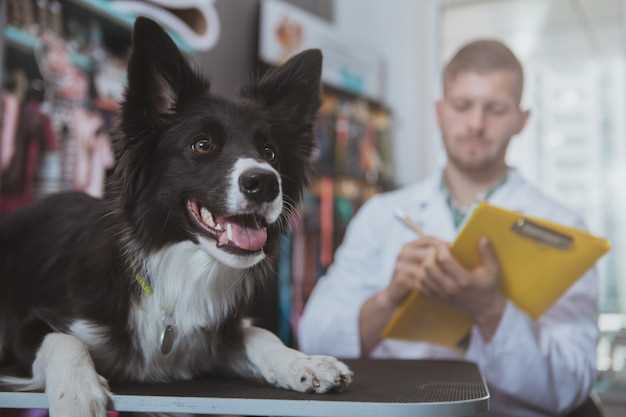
x=244, y=237
x=249, y=239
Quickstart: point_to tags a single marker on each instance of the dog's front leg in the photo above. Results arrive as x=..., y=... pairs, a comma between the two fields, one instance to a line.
x=288, y=368
x=64, y=367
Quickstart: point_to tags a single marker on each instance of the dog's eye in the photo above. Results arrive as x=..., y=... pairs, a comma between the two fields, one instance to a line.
x=204, y=146
x=269, y=153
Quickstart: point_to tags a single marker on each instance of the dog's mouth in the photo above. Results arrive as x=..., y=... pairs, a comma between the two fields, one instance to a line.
x=238, y=233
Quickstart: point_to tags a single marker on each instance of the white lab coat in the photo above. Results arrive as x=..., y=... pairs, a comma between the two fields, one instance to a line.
x=533, y=368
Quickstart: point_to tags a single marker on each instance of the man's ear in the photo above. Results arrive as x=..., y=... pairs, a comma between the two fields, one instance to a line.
x=439, y=111
x=523, y=121
x=292, y=90
x=159, y=78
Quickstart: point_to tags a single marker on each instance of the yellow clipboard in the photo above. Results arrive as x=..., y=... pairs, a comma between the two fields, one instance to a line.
x=540, y=260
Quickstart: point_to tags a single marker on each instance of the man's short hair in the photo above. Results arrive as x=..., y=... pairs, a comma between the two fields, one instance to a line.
x=484, y=56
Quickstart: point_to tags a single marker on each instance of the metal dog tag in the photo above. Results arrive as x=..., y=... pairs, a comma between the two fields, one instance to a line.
x=167, y=339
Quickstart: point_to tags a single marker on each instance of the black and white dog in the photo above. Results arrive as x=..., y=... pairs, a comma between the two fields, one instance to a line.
x=150, y=284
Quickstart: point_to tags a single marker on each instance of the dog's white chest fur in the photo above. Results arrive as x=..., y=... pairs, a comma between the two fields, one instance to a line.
x=191, y=292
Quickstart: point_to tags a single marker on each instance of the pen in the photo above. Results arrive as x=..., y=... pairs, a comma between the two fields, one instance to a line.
x=406, y=220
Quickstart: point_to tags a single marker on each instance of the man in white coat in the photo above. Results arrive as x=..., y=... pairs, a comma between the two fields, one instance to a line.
x=533, y=367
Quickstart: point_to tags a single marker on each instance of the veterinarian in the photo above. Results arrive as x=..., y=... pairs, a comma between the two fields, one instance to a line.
x=533, y=368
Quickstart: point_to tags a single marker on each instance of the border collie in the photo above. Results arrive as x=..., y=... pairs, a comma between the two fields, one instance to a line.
x=150, y=284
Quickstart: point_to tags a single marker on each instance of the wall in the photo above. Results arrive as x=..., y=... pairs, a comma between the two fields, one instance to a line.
x=405, y=33
x=232, y=62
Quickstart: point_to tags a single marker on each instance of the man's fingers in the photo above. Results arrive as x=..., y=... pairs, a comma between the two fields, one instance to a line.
x=424, y=289
x=431, y=266
x=434, y=280
x=414, y=254
x=409, y=275
x=440, y=279
x=450, y=266
x=433, y=288
x=488, y=255
x=426, y=241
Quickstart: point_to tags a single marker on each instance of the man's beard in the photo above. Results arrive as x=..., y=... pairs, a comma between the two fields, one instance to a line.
x=477, y=166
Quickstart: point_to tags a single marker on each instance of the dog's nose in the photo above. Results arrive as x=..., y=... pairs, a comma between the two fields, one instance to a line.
x=259, y=185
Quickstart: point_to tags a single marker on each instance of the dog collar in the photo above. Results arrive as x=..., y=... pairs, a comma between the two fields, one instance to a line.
x=169, y=333
x=144, y=284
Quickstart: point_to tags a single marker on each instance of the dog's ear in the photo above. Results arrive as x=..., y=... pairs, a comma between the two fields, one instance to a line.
x=290, y=95
x=159, y=78
x=292, y=90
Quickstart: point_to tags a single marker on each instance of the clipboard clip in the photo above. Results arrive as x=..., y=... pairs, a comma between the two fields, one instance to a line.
x=542, y=234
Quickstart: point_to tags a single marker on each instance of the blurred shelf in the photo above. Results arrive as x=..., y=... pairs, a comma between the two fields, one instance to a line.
x=29, y=43
x=103, y=8
x=107, y=11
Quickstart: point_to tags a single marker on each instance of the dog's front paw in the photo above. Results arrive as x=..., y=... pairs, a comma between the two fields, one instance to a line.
x=319, y=374
x=85, y=395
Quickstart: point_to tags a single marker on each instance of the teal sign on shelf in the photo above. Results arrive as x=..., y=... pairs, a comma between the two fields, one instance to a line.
x=352, y=81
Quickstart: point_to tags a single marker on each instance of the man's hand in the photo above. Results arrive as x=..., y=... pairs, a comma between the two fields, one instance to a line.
x=475, y=291
x=426, y=265
x=408, y=274
x=409, y=271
